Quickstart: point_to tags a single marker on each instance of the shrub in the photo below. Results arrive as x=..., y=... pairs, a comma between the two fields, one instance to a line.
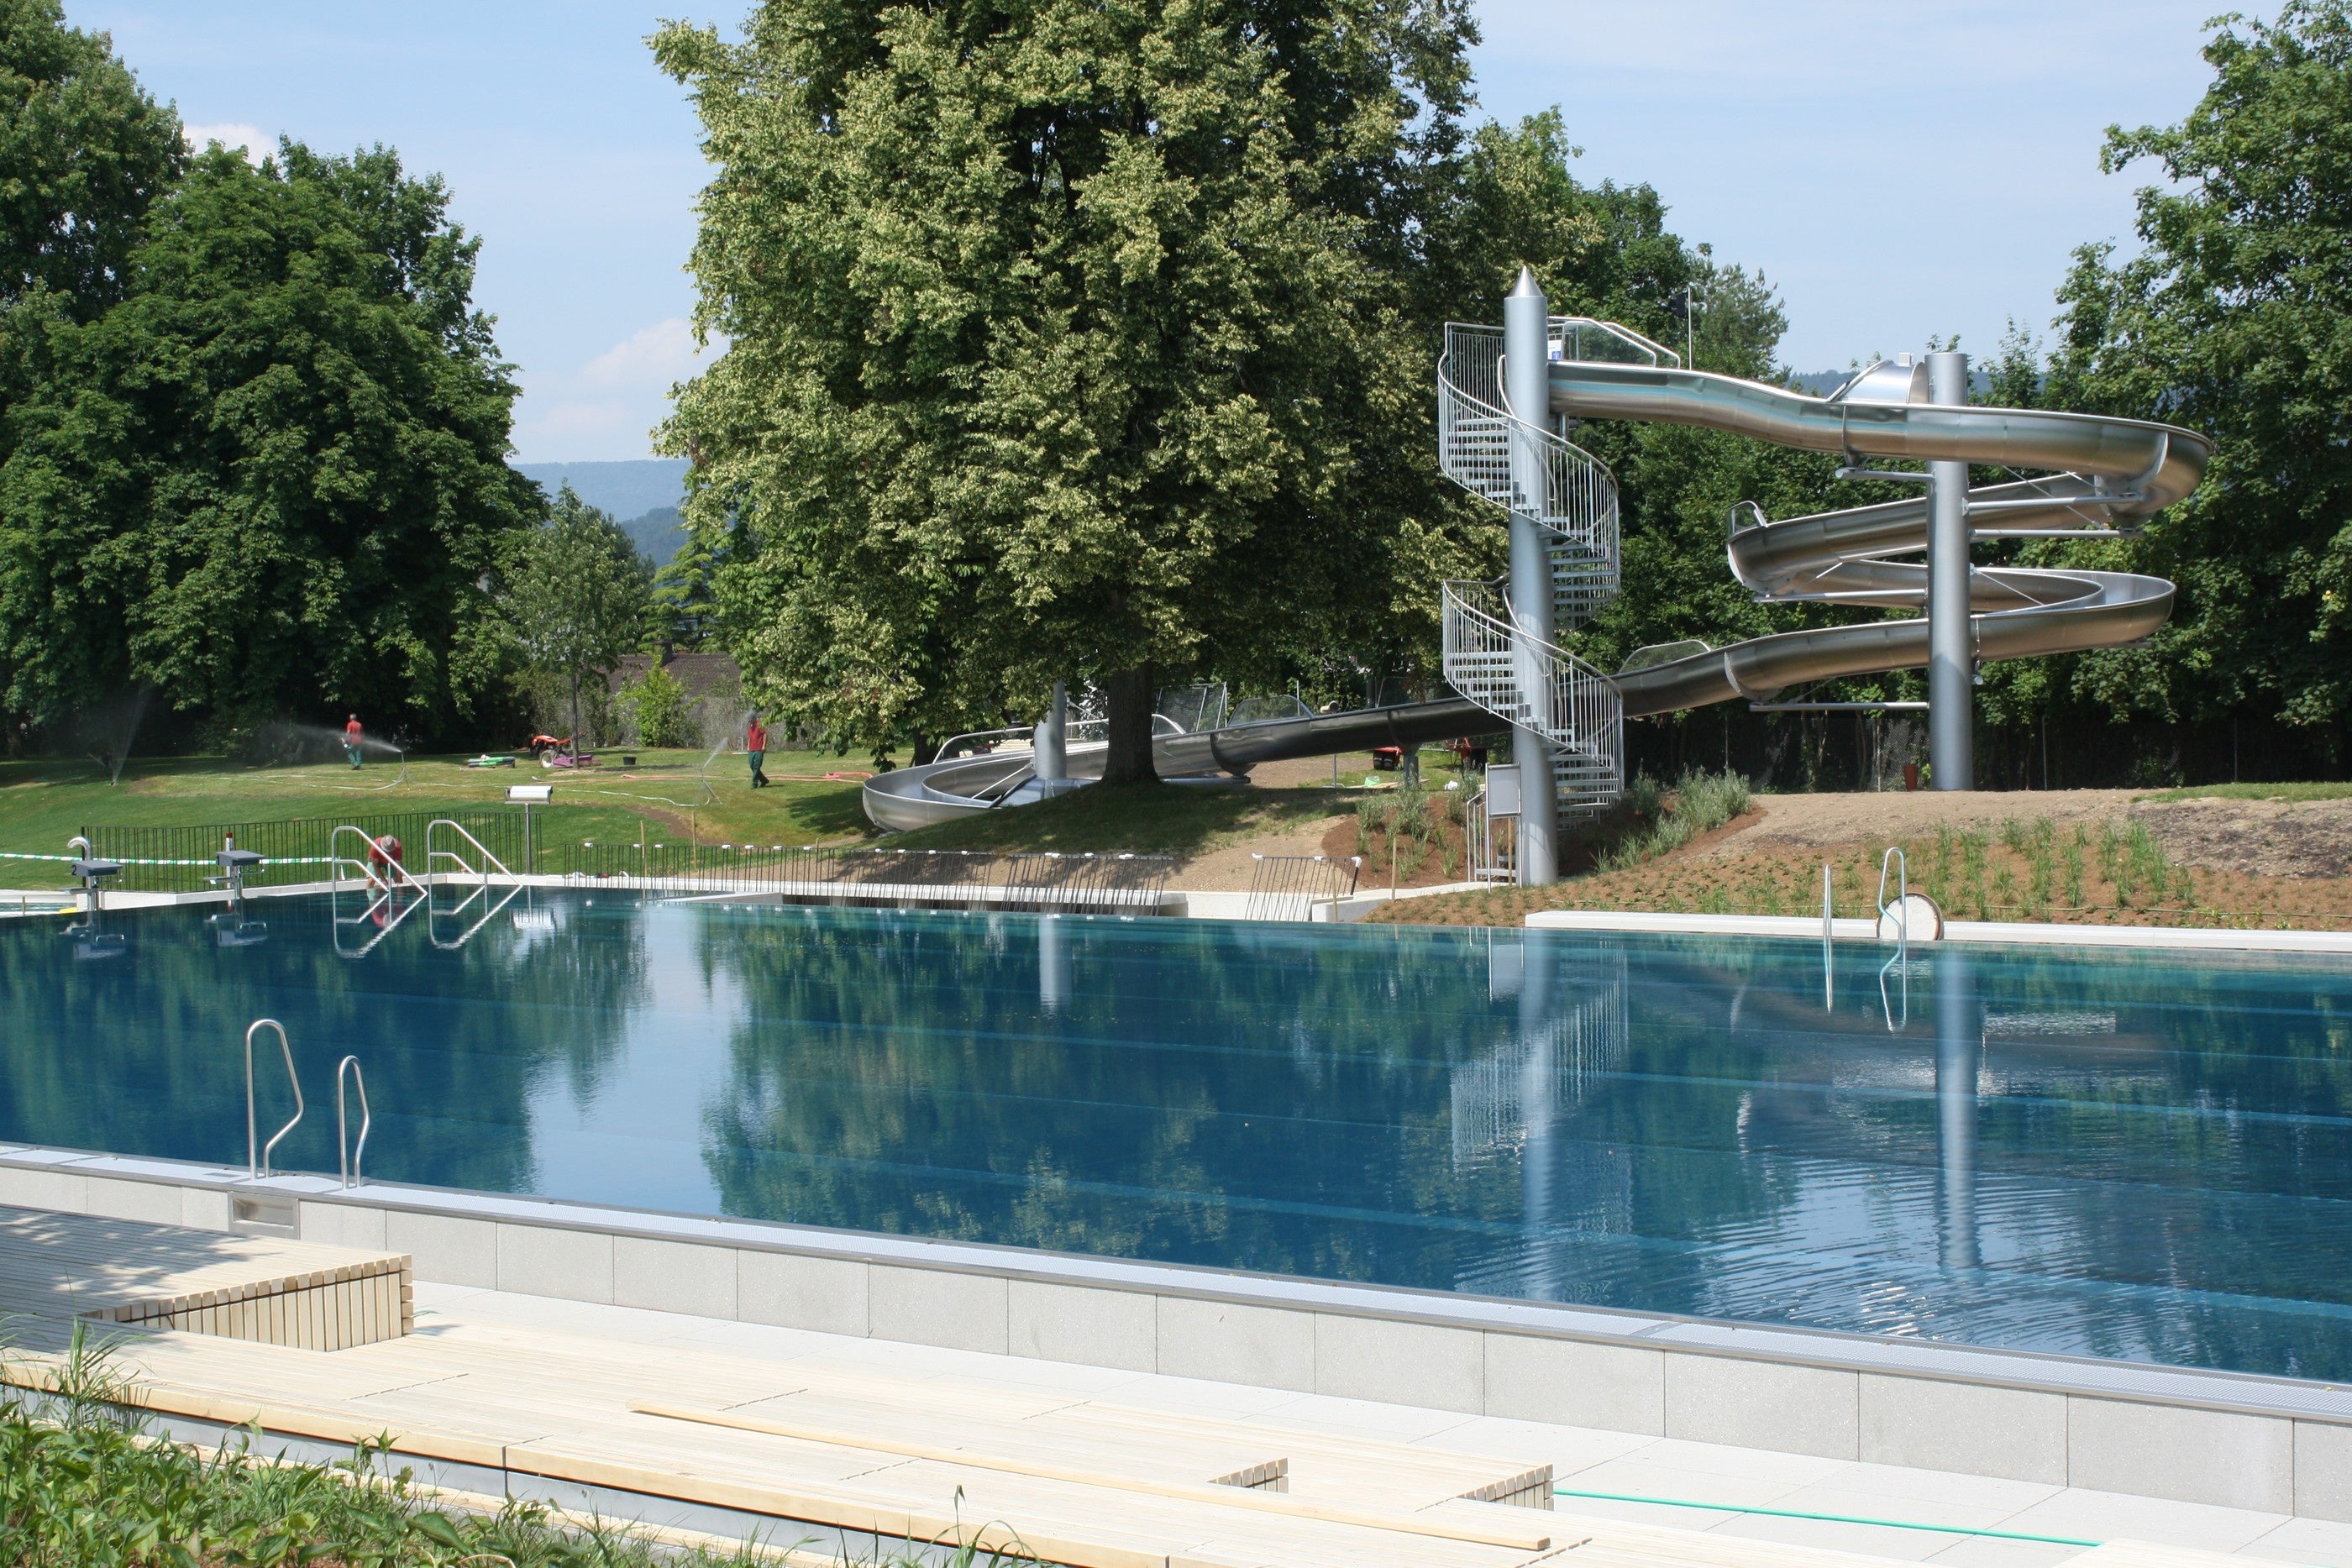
x=658, y=701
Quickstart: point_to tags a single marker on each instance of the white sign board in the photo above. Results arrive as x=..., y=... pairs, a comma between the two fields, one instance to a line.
x=529, y=794
x=1503, y=790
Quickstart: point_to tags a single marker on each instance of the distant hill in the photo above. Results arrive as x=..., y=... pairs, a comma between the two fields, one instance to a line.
x=658, y=533
x=624, y=489
x=643, y=496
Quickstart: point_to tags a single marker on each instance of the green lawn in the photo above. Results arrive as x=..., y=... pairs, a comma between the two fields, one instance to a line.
x=43, y=803
x=2256, y=792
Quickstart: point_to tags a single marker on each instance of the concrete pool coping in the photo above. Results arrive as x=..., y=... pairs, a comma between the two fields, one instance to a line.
x=2236, y=1441
x=2018, y=932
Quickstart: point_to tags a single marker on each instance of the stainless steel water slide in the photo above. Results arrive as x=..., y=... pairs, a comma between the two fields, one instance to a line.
x=943, y=792
x=2107, y=472
x=2099, y=473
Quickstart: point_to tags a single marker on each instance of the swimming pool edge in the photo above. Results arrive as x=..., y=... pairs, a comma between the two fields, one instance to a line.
x=2022, y=933
x=2277, y=1443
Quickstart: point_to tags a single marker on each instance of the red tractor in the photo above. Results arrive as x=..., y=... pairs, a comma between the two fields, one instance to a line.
x=558, y=751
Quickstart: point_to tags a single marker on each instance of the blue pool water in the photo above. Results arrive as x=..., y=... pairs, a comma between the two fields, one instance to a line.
x=2135, y=1156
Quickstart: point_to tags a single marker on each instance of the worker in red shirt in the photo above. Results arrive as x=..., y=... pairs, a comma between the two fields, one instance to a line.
x=755, y=746
x=351, y=740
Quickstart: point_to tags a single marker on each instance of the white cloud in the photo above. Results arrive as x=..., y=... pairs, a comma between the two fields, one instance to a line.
x=664, y=352
x=608, y=407
x=234, y=134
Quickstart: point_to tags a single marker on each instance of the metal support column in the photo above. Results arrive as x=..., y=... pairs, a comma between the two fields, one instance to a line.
x=1050, y=742
x=1951, y=635
x=1527, y=384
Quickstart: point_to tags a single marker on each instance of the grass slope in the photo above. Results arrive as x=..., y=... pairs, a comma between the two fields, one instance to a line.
x=43, y=803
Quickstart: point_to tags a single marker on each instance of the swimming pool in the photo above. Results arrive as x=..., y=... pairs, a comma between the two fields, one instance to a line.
x=2134, y=1155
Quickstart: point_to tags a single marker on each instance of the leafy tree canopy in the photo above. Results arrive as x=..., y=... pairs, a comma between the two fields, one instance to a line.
x=2235, y=319
x=83, y=154
x=578, y=599
x=1065, y=339
x=271, y=478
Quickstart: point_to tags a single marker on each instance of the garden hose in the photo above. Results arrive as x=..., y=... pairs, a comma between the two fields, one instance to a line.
x=1827, y=1518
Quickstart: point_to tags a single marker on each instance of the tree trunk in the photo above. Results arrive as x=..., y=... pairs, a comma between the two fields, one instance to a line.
x=1128, y=695
x=575, y=713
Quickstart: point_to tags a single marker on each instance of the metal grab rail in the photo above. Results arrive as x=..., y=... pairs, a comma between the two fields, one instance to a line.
x=396, y=872
x=347, y=1156
x=489, y=860
x=257, y=1164
x=1902, y=905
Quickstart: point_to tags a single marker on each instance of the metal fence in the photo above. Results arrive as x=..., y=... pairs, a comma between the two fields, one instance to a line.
x=1288, y=887
x=180, y=860
x=1070, y=883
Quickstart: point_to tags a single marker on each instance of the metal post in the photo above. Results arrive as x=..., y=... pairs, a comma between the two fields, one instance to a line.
x=1526, y=347
x=1951, y=635
x=1051, y=743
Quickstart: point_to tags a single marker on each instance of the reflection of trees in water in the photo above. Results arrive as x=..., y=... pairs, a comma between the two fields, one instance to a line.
x=2113, y=1159
x=141, y=1053
x=1690, y=1133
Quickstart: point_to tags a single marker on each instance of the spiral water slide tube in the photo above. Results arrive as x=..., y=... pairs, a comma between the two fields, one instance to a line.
x=2100, y=476
x=957, y=787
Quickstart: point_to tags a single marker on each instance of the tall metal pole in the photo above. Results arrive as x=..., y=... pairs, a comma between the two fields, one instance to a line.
x=1952, y=636
x=1526, y=385
x=1050, y=745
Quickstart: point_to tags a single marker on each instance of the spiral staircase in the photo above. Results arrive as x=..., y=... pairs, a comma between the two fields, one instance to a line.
x=1493, y=655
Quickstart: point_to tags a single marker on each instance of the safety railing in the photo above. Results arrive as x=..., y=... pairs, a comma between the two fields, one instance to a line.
x=1292, y=887
x=1079, y=884
x=1534, y=686
x=296, y=851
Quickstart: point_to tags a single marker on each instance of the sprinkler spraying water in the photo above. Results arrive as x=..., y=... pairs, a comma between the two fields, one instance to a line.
x=106, y=732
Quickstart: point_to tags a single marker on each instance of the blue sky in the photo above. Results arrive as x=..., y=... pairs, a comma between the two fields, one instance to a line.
x=1899, y=168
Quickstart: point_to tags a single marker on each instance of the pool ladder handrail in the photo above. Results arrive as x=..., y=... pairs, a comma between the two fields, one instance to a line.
x=1901, y=908
x=257, y=1164
x=1902, y=911
x=395, y=872
x=348, y=1157
x=481, y=872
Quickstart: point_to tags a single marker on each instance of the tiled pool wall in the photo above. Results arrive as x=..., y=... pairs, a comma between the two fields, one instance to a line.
x=2270, y=1444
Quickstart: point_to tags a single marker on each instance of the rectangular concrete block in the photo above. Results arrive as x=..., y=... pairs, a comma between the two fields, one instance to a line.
x=1613, y=1387
x=1230, y=1342
x=344, y=1225
x=1074, y=1323
x=2014, y=1433
x=1434, y=1366
x=545, y=1260
x=203, y=1208
x=1763, y=1404
x=674, y=1276
x=155, y=1202
x=2193, y=1456
x=27, y=1187
x=784, y=1290
x=2323, y=1471
x=447, y=1249
x=936, y=1306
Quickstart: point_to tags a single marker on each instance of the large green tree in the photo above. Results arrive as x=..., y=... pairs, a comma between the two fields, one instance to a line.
x=578, y=599
x=2233, y=319
x=271, y=478
x=1065, y=339
x=84, y=151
